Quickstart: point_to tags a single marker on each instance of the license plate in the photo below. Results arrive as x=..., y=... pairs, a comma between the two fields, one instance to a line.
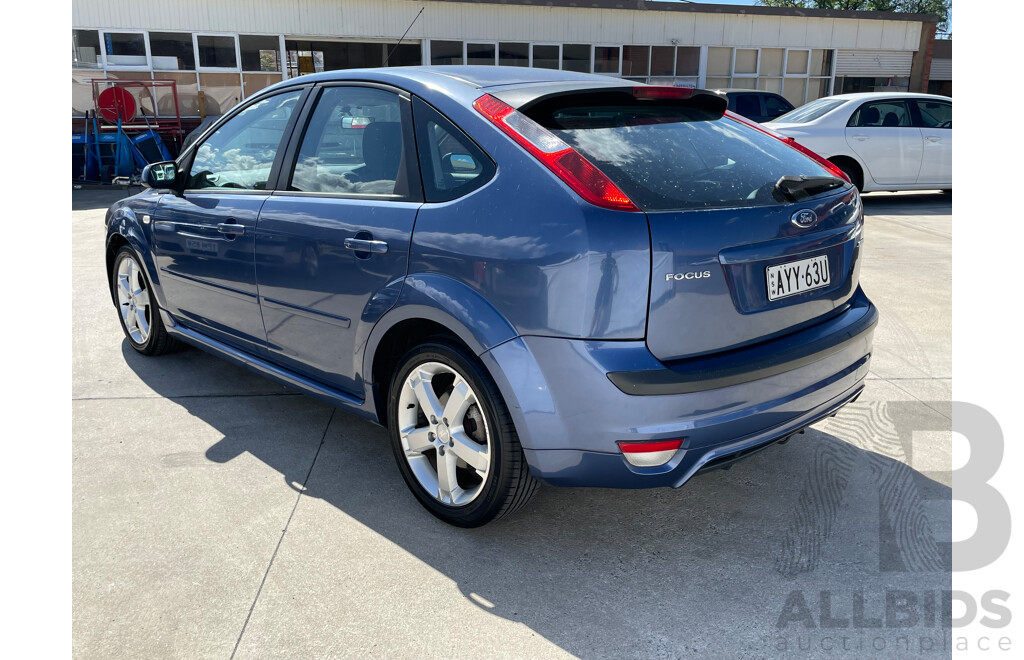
x=797, y=276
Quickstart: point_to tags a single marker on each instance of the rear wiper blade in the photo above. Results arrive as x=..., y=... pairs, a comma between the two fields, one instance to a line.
x=798, y=188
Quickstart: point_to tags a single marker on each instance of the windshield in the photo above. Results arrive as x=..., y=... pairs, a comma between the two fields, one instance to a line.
x=810, y=112
x=669, y=156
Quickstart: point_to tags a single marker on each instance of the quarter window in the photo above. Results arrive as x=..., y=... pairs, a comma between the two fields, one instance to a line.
x=451, y=163
x=240, y=154
x=353, y=145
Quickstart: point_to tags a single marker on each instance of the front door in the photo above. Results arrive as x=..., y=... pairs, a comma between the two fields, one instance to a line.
x=883, y=135
x=204, y=238
x=332, y=246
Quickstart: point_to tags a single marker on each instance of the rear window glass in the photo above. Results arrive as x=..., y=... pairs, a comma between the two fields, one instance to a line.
x=811, y=111
x=670, y=157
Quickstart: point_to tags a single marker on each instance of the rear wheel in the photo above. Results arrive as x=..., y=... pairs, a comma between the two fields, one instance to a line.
x=137, y=307
x=453, y=438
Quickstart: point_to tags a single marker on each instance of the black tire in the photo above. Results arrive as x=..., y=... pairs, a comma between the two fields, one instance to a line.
x=509, y=485
x=156, y=341
x=852, y=172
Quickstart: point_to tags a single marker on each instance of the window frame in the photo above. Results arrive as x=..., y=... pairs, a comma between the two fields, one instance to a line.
x=290, y=156
x=186, y=159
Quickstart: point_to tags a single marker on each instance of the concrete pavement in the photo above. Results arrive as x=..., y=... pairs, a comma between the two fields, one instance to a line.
x=217, y=515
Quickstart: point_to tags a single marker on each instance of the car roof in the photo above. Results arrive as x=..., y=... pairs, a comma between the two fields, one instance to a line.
x=867, y=96
x=479, y=77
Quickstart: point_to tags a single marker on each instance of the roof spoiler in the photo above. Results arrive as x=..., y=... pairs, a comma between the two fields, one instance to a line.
x=524, y=99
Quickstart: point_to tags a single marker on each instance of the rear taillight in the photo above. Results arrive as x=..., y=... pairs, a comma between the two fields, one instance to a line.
x=568, y=164
x=827, y=164
x=649, y=453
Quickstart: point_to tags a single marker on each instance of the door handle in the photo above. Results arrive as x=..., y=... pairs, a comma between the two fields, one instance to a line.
x=231, y=229
x=933, y=138
x=364, y=245
x=859, y=137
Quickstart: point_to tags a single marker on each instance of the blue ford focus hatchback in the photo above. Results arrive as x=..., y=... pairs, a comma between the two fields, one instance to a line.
x=525, y=275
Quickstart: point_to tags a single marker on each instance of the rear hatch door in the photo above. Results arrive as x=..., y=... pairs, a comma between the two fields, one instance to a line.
x=750, y=239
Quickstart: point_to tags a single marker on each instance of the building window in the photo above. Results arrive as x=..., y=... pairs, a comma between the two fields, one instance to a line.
x=576, y=57
x=481, y=53
x=606, y=59
x=85, y=49
x=663, y=60
x=445, y=52
x=172, y=51
x=125, y=48
x=635, y=61
x=514, y=54
x=546, y=56
x=688, y=61
x=217, y=52
x=797, y=61
x=403, y=54
x=745, y=63
x=260, y=53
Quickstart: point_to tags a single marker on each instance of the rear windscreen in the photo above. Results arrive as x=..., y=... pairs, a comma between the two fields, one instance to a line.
x=669, y=157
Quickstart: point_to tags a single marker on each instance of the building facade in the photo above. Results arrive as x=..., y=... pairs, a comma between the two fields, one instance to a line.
x=219, y=53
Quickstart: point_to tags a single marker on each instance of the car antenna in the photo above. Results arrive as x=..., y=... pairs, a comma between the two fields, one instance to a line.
x=392, y=52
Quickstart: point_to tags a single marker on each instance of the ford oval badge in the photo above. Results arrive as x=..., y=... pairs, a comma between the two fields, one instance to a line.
x=805, y=218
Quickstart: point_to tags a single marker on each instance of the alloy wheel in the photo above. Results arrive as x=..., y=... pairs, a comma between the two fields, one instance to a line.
x=133, y=300
x=444, y=435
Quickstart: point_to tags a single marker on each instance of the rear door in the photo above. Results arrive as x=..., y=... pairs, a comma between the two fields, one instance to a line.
x=731, y=263
x=337, y=233
x=935, y=118
x=204, y=238
x=749, y=105
x=884, y=137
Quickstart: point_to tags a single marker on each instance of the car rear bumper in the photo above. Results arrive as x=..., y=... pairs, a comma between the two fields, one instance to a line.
x=570, y=414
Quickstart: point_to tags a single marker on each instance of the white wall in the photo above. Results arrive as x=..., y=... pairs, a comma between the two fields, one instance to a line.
x=448, y=20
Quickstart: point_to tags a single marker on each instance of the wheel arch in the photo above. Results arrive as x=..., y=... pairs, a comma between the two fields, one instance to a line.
x=430, y=305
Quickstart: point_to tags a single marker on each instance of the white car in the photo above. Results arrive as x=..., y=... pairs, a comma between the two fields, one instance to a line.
x=881, y=140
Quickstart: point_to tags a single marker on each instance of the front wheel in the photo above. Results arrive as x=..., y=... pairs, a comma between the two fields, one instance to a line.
x=453, y=438
x=137, y=306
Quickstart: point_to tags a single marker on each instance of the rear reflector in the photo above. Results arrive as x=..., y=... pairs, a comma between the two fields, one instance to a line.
x=568, y=164
x=827, y=164
x=649, y=453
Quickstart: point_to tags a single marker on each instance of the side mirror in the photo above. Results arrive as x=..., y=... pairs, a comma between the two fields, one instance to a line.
x=460, y=163
x=160, y=175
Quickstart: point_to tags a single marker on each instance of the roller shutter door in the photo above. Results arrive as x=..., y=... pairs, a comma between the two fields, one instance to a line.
x=871, y=63
x=941, y=70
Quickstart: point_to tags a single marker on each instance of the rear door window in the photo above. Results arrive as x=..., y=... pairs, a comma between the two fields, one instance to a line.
x=667, y=156
x=935, y=114
x=889, y=113
x=748, y=105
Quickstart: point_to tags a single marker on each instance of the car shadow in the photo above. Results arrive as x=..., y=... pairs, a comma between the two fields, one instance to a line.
x=922, y=203
x=646, y=572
